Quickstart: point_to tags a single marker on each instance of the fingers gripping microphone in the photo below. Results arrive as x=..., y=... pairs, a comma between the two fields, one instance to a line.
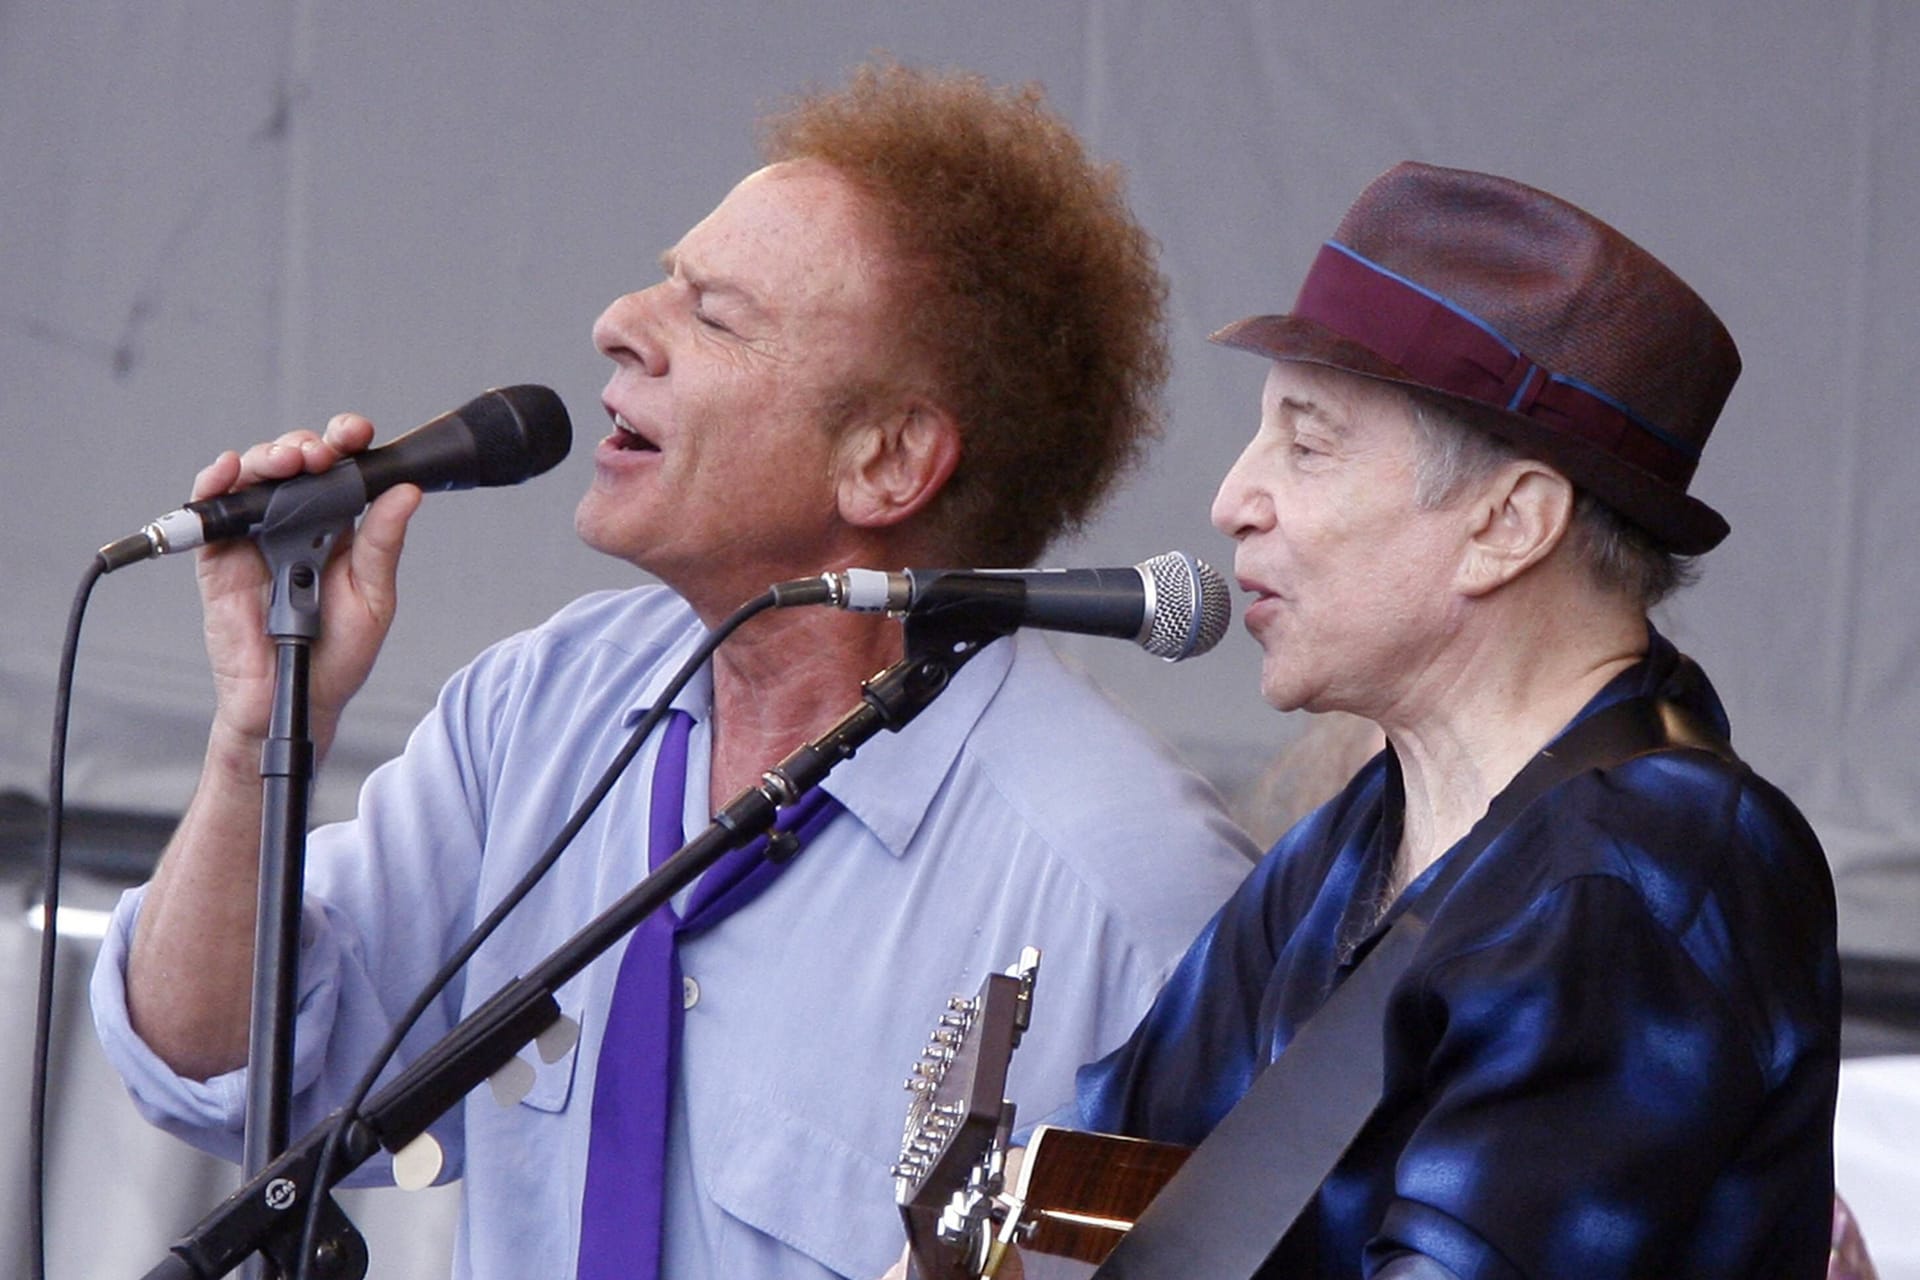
x=505, y=436
x=1173, y=605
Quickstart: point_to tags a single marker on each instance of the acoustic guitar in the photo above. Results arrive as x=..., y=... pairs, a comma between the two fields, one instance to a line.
x=1075, y=1193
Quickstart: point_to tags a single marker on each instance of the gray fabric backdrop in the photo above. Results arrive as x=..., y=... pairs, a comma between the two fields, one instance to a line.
x=223, y=219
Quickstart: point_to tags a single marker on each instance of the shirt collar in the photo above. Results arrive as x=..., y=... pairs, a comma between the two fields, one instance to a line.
x=1662, y=673
x=696, y=699
x=890, y=782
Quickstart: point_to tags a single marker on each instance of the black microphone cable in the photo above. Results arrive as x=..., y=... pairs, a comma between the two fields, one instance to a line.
x=49, y=921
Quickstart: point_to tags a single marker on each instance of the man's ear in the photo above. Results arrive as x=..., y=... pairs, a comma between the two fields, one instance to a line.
x=891, y=465
x=1518, y=517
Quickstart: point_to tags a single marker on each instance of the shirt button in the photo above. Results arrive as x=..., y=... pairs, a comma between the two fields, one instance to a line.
x=689, y=993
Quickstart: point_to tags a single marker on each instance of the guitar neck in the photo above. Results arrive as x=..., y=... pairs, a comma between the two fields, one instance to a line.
x=1077, y=1193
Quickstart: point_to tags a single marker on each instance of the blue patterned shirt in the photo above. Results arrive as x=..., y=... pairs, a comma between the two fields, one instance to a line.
x=1614, y=1054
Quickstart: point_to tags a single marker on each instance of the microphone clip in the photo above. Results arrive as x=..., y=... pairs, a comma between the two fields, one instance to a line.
x=958, y=612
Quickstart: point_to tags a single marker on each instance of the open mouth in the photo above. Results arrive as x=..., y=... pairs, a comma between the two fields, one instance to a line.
x=628, y=438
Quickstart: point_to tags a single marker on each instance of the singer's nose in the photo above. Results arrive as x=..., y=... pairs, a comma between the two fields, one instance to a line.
x=626, y=333
x=1240, y=507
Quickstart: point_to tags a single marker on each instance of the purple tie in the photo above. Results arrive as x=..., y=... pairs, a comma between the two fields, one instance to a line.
x=620, y=1213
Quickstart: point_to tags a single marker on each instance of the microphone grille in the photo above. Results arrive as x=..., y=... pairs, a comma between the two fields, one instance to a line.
x=519, y=432
x=1191, y=606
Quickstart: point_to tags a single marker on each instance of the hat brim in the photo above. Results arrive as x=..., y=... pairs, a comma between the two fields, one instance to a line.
x=1679, y=522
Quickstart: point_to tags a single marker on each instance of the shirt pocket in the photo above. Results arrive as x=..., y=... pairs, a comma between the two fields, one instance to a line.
x=552, y=1081
x=806, y=1186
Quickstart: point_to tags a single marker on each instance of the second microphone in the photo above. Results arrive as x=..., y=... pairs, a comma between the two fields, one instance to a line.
x=1174, y=606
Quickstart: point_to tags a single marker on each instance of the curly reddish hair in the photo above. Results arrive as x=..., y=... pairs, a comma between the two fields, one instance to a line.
x=1030, y=296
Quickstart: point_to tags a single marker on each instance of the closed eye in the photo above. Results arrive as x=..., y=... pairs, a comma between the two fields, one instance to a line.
x=1307, y=453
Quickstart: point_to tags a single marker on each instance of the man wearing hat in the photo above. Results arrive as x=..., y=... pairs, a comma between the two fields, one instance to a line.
x=1613, y=1050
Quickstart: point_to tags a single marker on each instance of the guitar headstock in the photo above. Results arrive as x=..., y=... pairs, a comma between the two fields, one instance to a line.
x=954, y=1143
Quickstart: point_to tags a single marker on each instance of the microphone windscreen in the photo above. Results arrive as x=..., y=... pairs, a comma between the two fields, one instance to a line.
x=518, y=433
x=1191, y=606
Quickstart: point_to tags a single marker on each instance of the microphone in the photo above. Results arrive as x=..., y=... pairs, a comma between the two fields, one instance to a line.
x=1173, y=605
x=503, y=436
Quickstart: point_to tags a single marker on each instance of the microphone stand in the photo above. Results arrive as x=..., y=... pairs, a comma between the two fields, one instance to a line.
x=261, y=1217
x=295, y=537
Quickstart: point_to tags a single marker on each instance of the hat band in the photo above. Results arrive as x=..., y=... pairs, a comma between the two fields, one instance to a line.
x=1442, y=345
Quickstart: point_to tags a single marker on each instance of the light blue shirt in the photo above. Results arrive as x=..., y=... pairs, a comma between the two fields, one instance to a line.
x=1019, y=809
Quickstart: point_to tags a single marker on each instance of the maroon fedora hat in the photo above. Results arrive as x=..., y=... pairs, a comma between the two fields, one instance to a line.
x=1595, y=357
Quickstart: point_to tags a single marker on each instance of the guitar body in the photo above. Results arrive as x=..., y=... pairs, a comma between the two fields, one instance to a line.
x=1077, y=1193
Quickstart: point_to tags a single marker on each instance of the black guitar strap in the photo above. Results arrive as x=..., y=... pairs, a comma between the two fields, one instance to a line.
x=1225, y=1212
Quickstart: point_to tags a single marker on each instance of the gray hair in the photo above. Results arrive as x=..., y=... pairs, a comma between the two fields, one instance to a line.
x=1458, y=445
